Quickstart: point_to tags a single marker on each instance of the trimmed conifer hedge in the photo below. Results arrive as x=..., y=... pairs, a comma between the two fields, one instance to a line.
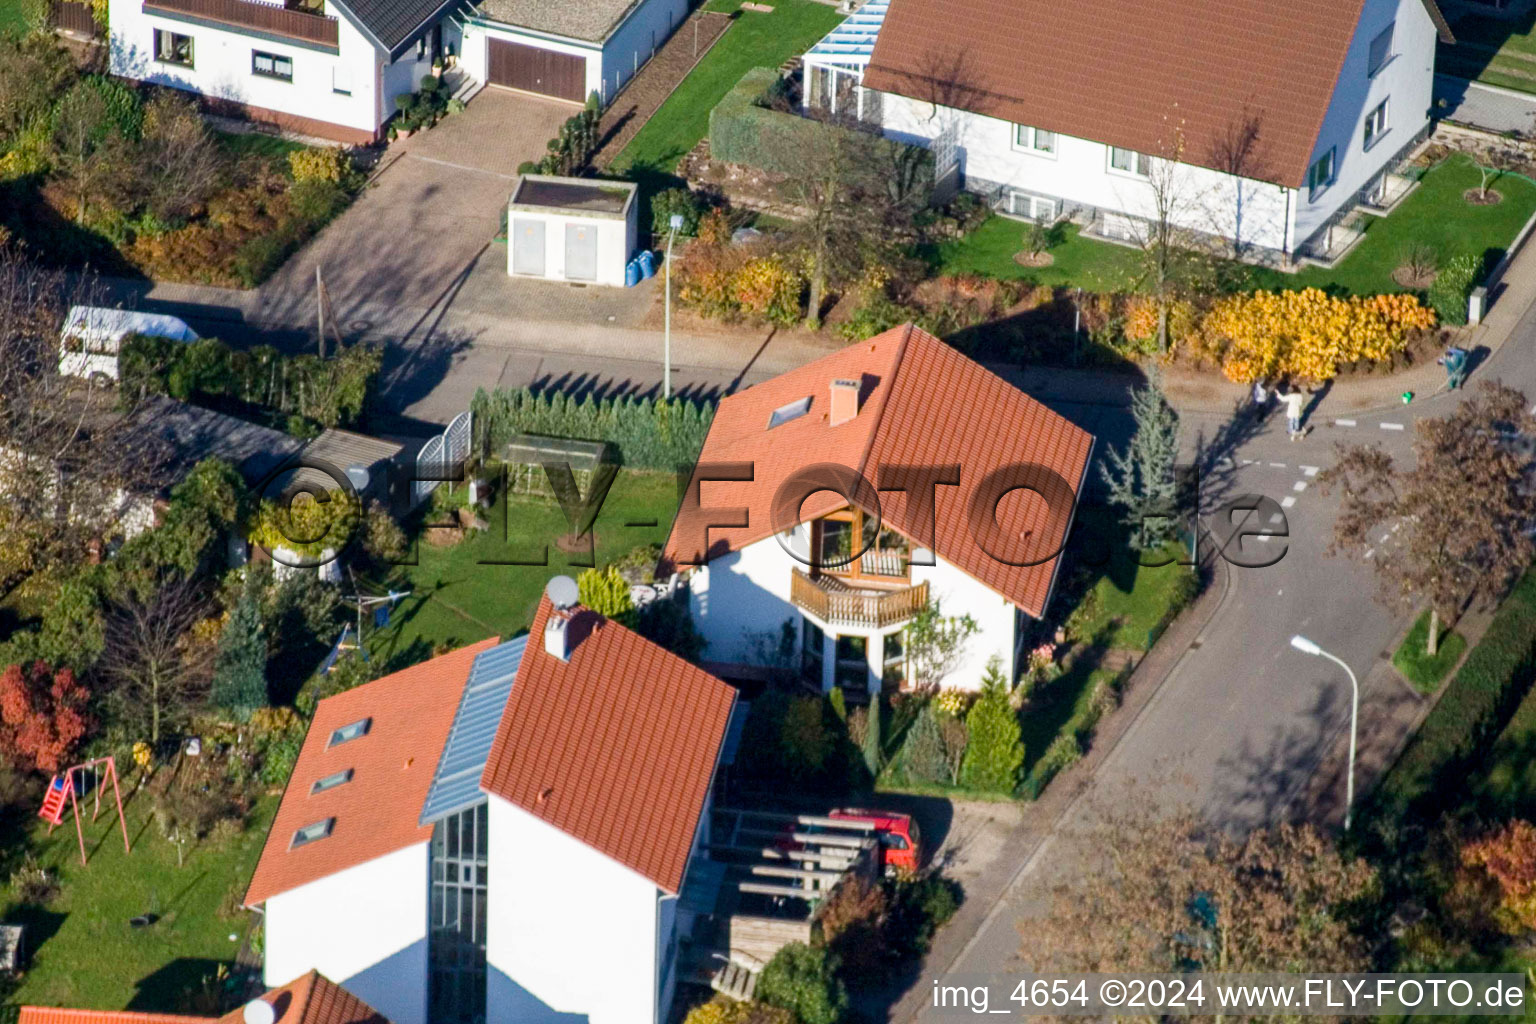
x=649, y=433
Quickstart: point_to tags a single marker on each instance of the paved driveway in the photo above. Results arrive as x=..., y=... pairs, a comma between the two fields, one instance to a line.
x=412, y=234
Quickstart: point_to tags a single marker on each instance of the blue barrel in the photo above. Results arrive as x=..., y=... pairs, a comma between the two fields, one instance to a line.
x=647, y=264
x=632, y=273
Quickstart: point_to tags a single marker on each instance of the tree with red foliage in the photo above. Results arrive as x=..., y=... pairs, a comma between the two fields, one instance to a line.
x=1508, y=856
x=42, y=715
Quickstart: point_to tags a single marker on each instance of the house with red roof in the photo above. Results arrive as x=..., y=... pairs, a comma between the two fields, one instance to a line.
x=1271, y=127
x=471, y=838
x=310, y=998
x=835, y=502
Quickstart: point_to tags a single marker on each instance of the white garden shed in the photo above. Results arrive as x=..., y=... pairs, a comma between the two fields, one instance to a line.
x=571, y=229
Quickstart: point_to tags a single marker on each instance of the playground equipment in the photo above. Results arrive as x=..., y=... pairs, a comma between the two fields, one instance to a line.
x=63, y=787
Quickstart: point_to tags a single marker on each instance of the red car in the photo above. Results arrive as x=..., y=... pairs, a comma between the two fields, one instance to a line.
x=901, y=841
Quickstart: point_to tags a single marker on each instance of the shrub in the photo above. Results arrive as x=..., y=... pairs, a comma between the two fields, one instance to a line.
x=240, y=666
x=922, y=751
x=919, y=905
x=307, y=528
x=667, y=623
x=679, y=201
x=853, y=926
x=1449, y=292
x=607, y=593
x=803, y=980
x=1508, y=856
x=32, y=884
x=43, y=715
x=1492, y=680
x=996, y=751
x=1308, y=334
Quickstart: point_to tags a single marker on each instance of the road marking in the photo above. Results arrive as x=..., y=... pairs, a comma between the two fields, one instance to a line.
x=1277, y=465
x=1344, y=423
x=1277, y=517
x=1288, y=501
x=1299, y=486
x=1391, y=426
x=1262, y=538
x=1309, y=470
x=1369, y=552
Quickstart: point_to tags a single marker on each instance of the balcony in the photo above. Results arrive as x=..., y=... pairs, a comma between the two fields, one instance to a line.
x=838, y=604
x=267, y=19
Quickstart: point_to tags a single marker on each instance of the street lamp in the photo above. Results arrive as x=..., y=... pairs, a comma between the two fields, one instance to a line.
x=1306, y=646
x=674, y=223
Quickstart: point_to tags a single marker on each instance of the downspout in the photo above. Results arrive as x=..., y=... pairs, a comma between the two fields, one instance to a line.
x=1289, y=227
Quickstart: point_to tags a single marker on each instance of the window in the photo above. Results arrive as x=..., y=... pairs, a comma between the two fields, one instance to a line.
x=882, y=554
x=1036, y=140
x=1130, y=162
x=811, y=652
x=1321, y=174
x=312, y=833
x=341, y=79
x=1381, y=50
x=852, y=669
x=331, y=781
x=270, y=65
x=456, y=942
x=1031, y=207
x=894, y=658
x=1375, y=124
x=350, y=732
x=173, y=48
x=793, y=411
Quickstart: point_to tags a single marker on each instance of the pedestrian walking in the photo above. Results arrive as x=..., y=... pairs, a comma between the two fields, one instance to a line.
x=1294, y=401
x=1455, y=363
x=1260, y=399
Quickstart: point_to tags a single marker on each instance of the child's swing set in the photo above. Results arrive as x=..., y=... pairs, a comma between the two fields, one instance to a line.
x=64, y=787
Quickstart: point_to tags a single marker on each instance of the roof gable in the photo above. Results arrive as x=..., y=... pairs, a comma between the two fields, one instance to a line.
x=313, y=999
x=376, y=811
x=1164, y=77
x=924, y=404
x=615, y=747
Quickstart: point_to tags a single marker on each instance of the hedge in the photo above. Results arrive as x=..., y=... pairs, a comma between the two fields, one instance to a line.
x=650, y=433
x=744, y=131
x=1492, y=682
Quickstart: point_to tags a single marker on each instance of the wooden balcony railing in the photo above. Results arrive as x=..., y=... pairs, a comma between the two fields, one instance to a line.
x=834, y=602
x=279, y=21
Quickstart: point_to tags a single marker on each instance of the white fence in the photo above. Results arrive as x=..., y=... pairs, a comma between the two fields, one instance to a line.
x=441, y=457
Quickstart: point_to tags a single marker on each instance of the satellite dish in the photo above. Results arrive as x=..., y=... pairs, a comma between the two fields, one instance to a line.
x=258, y=1011
x=562, y=592
x=358, y=474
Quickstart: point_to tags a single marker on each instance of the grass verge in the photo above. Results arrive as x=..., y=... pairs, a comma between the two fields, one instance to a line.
x=1423, y=670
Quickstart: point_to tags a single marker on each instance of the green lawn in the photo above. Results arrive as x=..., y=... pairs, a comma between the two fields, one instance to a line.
x=1425, y=672
x=1493, y=50
x=83, y=952
x=1435, y=215
x=272, y=147
x=755, y=39
x=1127, y=599
x=1508, y=786
x=13, y=16
x=458, y=597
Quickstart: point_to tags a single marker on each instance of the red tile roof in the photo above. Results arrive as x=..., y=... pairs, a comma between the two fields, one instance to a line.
x=314, y=999
x=616, y=747
x=309, y=999
x=60, y=1015
x=1140, y=74
x=924, y=404
x=376, y=812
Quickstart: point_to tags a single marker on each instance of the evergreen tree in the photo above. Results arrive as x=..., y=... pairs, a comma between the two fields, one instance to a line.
x=1141, y=477
x=996, y=750
x=240, y=667
x=922, y=752
x=871, y=745
x=606, y=592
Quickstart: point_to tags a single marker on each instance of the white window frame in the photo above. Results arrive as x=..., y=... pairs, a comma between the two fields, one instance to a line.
x=1377, y=123
x=1373, y=64
x=1027, y=140
x=1316, y=187
x=1141, y=164
x=1032, y=206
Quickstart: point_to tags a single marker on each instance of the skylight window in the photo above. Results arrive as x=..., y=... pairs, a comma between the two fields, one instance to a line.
x=331, y=781
x=350, y=732
x=312, y=833
x=793, y=411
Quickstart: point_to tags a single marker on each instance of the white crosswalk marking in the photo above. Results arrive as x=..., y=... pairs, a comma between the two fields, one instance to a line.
x=1299, y=486
x=1309, y=470
x=1288, y=501
x=1345, y=423
x=1392, y=426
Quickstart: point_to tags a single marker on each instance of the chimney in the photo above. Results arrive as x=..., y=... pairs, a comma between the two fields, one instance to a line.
x=845, y=402
x=557, y=635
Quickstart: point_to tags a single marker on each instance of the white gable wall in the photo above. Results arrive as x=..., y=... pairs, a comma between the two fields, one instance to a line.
x=364, y=928
x=222, y=67
x=1405, y=82
x=570, y=930
x=740, y=600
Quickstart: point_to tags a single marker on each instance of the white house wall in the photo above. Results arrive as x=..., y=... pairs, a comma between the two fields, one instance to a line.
x=1079, y=173
x=571, y=934
x=1406, y=82
x=740, y=601
x=402, y=77
x=222, y=67
x=364, y=928
x=637, y=40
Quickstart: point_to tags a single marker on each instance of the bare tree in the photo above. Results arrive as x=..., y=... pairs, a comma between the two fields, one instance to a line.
x=160, y=672
x=1171, y=262
x=66, y=456
x=179, y=162
x=89, y=153
x=1457, y=525
x=1497, y=162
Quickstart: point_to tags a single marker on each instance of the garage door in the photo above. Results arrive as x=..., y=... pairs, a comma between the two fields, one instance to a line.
x=534, y=70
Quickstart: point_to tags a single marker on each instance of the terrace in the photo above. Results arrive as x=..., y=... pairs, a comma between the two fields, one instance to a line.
x=298, y=24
